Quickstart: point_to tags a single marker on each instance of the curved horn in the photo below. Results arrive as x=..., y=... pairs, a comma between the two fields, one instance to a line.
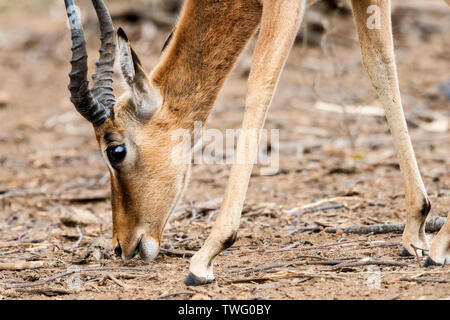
x=103, y=77
x=81, y=96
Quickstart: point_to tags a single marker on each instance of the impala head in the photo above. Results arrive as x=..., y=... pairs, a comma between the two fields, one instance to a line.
x=134, y=137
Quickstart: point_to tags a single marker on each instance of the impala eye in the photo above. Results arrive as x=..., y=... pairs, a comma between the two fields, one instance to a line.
x=116, y=153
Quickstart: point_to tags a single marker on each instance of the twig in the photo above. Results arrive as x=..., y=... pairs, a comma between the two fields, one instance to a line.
x=269, y=266
x=119, y=283
x=50, y=292
x=420, y=280
x=432, y=225
x=304, y=280
x=371, y=262
x=312, y=247
x=292, y=245
x=322, y=224
x=314, y=206
x=72, y=271
x=283, y=274
x=178, y=253
x=9, y=252
x=417, y=254
x=80, y=238
x=173, y=294
x=22, y=265
x=315, y=209
x=304, y=229
x=23, y=193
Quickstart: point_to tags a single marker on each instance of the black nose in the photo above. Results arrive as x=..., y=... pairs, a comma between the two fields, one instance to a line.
x=118, y=250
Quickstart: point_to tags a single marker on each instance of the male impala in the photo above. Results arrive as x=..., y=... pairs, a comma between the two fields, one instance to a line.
x=135, y=133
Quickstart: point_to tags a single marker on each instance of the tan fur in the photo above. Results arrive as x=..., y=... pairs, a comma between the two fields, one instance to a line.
x=197, y=60
x=207, y=41
x=280, y=21
x=378, y=57
x=189, y=77
x=440, y=247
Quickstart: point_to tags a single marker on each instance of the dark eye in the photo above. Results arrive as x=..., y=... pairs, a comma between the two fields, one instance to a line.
x=116, y=153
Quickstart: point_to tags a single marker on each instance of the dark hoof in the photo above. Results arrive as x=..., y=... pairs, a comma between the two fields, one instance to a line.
x=431, y=262
x=193, y=280
x=405, y=253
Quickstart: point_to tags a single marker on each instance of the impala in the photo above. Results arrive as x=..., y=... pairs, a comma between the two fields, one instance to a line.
x=134, y=133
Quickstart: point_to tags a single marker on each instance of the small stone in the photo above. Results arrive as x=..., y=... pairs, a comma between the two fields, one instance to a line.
x=4, y=99
x=76, y=217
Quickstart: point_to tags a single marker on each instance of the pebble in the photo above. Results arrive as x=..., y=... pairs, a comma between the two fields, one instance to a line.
x=78, y=217
x=4, y=99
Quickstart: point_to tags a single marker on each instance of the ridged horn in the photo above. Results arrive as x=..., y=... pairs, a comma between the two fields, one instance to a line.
x=94, y=105
x=102, y=87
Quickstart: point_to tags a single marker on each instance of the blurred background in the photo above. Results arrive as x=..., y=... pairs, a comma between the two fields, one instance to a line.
x=334, y=140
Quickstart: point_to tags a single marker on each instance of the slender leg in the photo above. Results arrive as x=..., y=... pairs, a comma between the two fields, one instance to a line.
x=440, y=248
x=378, y=57
x=279, y=24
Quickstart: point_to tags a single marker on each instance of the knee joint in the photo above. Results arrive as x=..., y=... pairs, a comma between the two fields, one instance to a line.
x=229, y=241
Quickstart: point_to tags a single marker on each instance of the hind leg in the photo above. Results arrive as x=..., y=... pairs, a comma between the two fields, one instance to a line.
x=378, y=57
x=440, y=248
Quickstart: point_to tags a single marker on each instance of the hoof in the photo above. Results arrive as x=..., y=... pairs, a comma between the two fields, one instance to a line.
x=431, y=262
x=405, y=253
x=193, y=280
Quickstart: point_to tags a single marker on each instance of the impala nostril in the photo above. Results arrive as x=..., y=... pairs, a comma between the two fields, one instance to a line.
x=118, y=250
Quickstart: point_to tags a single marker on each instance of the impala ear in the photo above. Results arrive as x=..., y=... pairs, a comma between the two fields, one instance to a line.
x=145, y=97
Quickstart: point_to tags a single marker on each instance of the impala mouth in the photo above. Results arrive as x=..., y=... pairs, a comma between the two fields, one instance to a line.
x=129, y=255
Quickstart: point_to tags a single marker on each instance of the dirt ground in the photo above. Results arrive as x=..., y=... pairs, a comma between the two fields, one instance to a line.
x=51, y=170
